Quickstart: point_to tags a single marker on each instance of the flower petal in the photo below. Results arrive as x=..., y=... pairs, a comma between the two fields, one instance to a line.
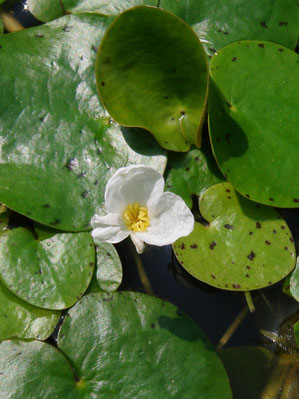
x=135, y=183
x=170, y=219
x=108, y=228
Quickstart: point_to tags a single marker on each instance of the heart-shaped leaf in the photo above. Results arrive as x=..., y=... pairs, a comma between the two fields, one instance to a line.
x=47, y=10
x=49, y=272
x=246, y=246
x=125, y=345
x=191, y=173
x=58, y=150
x=248, y=369
x=219, y=23
x=109, y=273
x=144, y=76
x=21, y=320
x=253, y=117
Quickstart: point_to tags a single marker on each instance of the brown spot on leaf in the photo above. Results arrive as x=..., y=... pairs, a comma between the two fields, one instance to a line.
x=282, y=227
x=261, y=45
x=251, y=256
x=268, y=242
x=271, y=199
x=274, y=231
x=212, y=245
x=283, y=23
x=291, y=239
x=263, y=24
x=250, y=233
x=227, y=190
x=296, y=199
x=193, y=246
x=236, y=286
x=234, y=59
x=258, y=225
x=213, y=276
x=247, y=275
x=247, y=267
x=229, y=226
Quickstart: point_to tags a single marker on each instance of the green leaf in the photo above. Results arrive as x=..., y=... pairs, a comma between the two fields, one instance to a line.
x=143, y=82
x=47, y=10
x=219, y=23
x=109, y=273
x=246, y=246
x=191, y=173
x=294, y=282
x=21, y=320
x=121, y=345
x=253, y=117
x=58, y=149
x=49, y=272
x=248, y=369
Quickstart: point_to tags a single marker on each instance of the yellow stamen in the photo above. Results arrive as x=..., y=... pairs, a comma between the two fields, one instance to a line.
x=136, y=217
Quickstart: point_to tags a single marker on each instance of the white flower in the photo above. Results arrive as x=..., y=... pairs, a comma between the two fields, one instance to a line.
x=136, y=206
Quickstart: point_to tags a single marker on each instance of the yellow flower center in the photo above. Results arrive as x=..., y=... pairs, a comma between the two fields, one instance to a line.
x=136, y=217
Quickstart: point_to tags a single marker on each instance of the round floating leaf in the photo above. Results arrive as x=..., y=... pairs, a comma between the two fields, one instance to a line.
x=191, y=173
x=294, y=282
x=144, y=76
x=109, y=273
x=248, y=369
x=47, y=10
x=57, y=148
x=246, y=246
x=219, y=23
x=49, y=272
x=122, y=345
x=21, y=320
x=253, y=117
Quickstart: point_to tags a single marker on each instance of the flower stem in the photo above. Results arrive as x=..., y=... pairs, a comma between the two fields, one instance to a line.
x=141, y=272
x=249, y=301
x=11, y=24
x=232, y=328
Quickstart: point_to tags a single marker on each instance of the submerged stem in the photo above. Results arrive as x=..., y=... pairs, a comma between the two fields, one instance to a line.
x=232, y=328
x=10, y=22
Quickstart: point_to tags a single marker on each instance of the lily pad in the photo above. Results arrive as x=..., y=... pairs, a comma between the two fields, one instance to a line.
x=248, y=369
x=253, y=118
x=126, y=345
x=109, y=273
x=58, y=149
x=21, y=320
x=219, y=23
x=191, y=173
x=50, y=272
x=294, y=282
x=144, y=76
x=245, y=246
x=47, y=10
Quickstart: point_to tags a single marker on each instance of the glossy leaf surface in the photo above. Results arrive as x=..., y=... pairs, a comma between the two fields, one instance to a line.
x=22, y=320
x=47, y=10
x=124, y=345
x=221, y=22
x=245, y=246
x=50, y=272
x=144, y=76
x=253, y=117
x=191, y=173
x=58, y=149
x=109, y=273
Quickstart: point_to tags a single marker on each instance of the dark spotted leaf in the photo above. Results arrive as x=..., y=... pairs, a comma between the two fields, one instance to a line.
x=245, y=246
x=254, y=119
x=221, y=22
